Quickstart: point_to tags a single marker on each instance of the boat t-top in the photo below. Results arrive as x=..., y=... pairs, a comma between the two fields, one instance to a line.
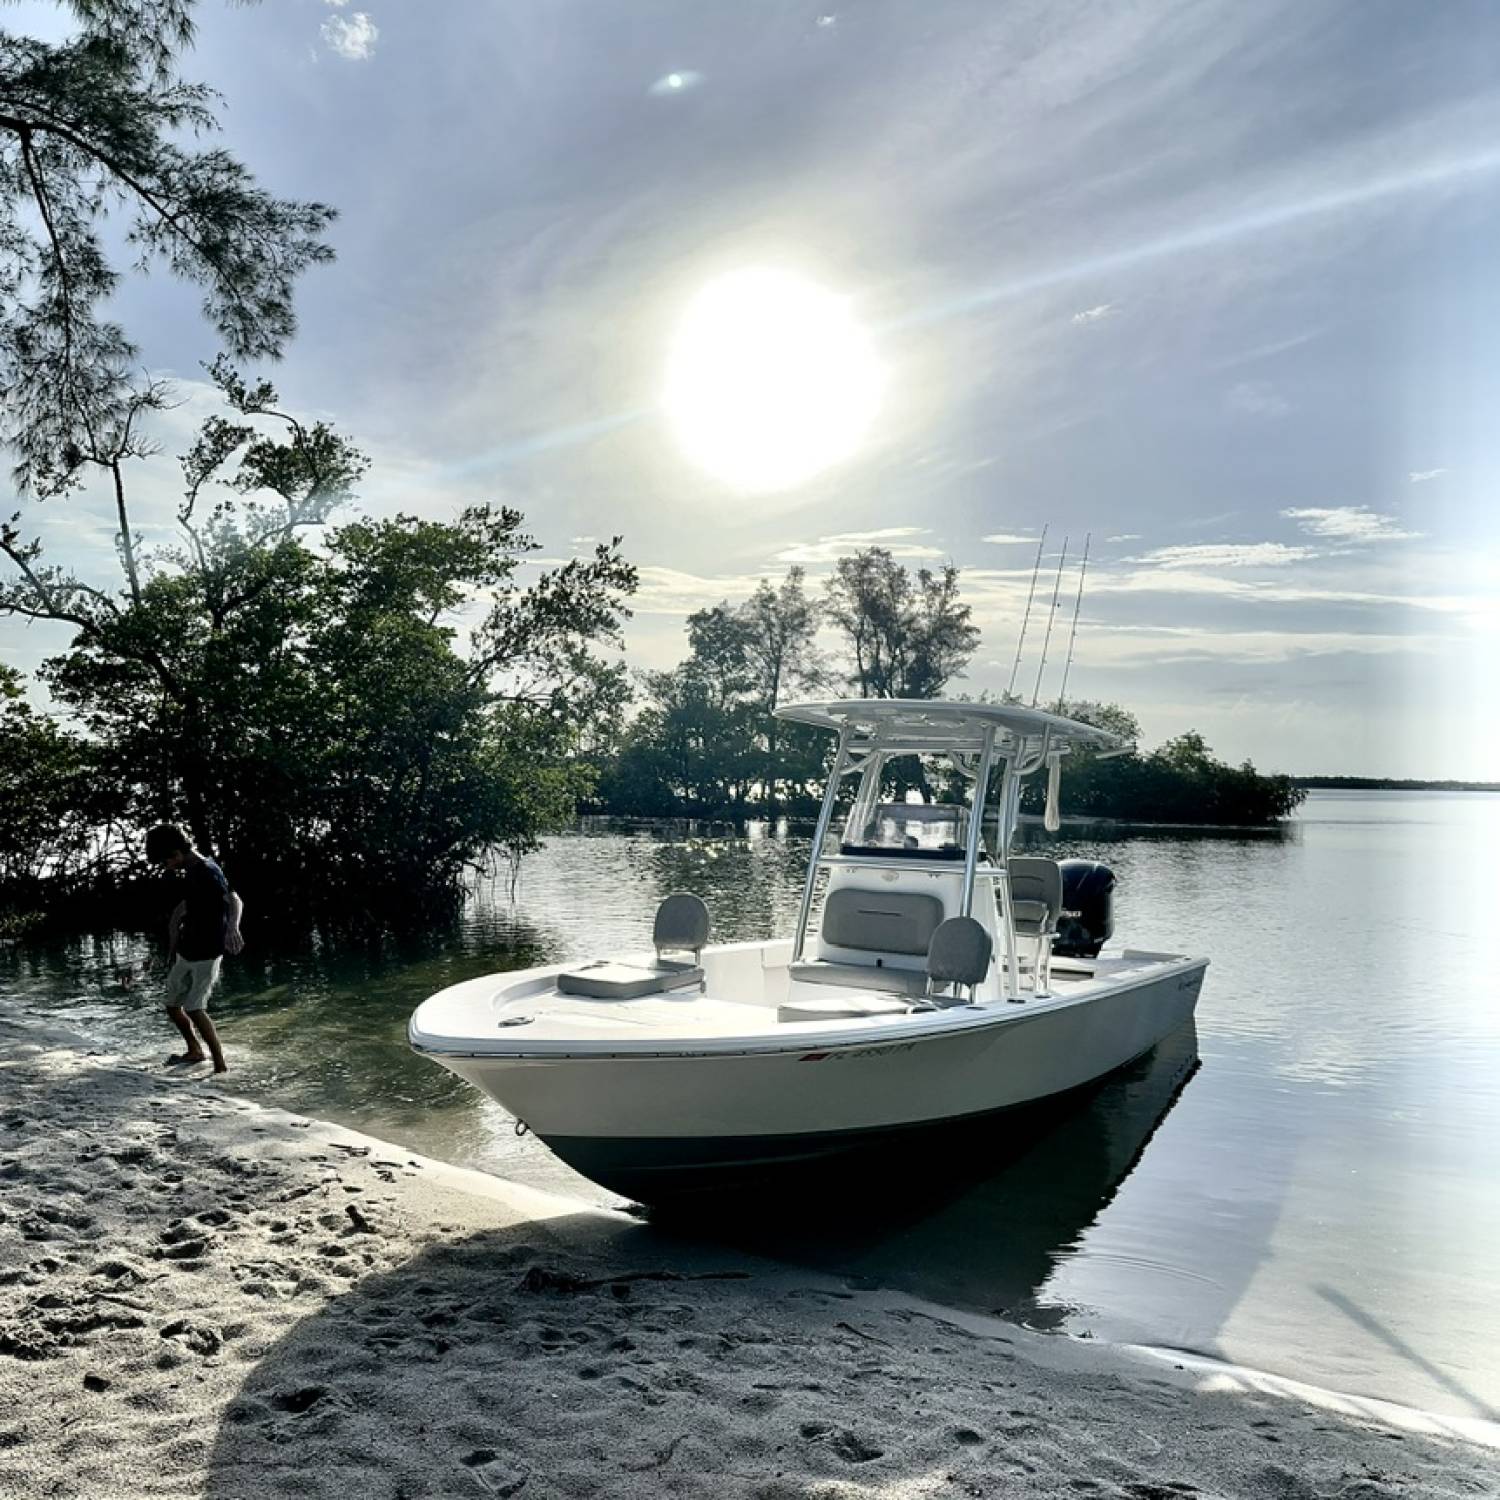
x=932, y=978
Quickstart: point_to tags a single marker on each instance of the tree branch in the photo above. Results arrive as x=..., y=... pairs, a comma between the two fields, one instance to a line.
x=50, y=608
x=173, y=220
x=127, y=543
x=60, y=260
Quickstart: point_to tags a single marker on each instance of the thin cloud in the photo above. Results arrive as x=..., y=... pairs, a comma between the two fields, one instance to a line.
x=1125, y=536
x=1123, y=645
x=1006, y=538
x=671, y=591
x=1421, y=476
x=1197, y=523
x=1226, y=555
x=1349, y=523
x=1264, y=351
x=1264, y=591
x=1094, y=314
x=352, y=38
x=1257, y=398
x=829, y=548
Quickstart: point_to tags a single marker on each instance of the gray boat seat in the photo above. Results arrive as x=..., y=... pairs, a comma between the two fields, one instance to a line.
x=912, y=982
x=682, y=925
x=875, y=925
x=1036, y=898
x=960, y=955
x=1036, y=894
x=875, y=921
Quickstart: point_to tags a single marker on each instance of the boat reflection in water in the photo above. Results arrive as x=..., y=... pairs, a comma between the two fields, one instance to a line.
x=978, y=1220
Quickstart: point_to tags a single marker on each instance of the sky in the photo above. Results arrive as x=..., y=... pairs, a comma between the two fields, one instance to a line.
x=1210, y=284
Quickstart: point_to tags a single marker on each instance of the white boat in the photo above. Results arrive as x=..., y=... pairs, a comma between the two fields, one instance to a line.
x=919, y=988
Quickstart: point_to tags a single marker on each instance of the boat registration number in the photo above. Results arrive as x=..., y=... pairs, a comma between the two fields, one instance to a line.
x=848, y=1054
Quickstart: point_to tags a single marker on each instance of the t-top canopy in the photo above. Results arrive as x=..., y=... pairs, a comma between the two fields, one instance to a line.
x=915, y=724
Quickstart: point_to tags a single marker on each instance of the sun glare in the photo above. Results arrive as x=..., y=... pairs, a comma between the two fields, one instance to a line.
x=770, y=380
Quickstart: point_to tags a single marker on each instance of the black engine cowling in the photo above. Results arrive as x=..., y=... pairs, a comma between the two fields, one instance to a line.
x=1088, y=891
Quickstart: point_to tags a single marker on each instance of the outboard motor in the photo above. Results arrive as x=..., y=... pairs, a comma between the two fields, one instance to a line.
x=1088, y=900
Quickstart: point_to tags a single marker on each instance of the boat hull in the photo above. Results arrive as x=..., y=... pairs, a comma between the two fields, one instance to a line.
x=657, y=1127
x=670, y=1169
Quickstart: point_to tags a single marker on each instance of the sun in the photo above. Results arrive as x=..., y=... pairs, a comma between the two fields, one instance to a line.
x=770, y=380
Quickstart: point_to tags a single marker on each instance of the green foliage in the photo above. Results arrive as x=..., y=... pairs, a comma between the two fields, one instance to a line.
x=703, y=745
x=90, y=126
x=705, y=742
x=350, y=725
x=1110, y=716
x=57, y=816
x=906, y=638
x=1179, y=782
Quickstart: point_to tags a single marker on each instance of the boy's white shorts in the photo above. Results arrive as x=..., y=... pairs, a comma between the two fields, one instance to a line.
x=190, y=982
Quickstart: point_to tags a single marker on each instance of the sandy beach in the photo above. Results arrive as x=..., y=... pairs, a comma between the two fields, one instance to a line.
x=200, y=1296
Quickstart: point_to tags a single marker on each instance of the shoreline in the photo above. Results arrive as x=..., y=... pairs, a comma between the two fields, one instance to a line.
x=200, y=1295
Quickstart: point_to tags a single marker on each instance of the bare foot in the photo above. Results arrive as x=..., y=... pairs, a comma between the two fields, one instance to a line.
x=222, y=1068
x=180, y=1058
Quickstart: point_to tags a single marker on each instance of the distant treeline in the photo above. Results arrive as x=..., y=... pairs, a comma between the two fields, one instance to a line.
x=705, y=743
x=1390, y=784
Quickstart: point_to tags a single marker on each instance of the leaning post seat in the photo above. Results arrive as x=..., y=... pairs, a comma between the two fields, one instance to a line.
x=1036, y=891
x=863, y=929
x=880, y=922
x=958, y=958
x=682, y=926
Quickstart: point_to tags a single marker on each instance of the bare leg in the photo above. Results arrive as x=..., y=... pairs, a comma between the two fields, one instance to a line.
x=205, y=1025
x=194, y=1053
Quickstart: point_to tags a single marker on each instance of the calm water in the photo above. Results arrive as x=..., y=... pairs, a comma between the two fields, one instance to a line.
x=1316, y=1198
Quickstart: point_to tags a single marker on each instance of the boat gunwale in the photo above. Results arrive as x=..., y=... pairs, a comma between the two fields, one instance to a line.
x=917, y=1025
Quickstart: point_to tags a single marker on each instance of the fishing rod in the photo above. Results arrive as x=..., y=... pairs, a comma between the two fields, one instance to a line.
x=1041, y=666
x=1083, y=572
x=1025, y=619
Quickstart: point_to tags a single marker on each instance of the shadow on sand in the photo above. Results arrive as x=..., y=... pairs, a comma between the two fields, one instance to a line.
x=568, y=1354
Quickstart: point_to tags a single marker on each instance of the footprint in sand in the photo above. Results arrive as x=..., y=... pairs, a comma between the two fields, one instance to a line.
x=194, y=1336
x=848, y=1445
x=184, y=1250
x=298, y=1401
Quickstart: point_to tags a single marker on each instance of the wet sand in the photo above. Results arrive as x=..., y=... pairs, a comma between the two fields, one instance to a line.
x=203, y=1297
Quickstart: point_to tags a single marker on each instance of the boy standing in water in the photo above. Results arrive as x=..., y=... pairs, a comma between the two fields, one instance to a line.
x=203, y=928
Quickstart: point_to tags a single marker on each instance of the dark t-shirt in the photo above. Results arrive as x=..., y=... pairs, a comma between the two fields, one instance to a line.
x=204, y=889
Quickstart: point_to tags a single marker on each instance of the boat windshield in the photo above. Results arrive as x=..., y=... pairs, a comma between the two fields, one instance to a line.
x=923, y=830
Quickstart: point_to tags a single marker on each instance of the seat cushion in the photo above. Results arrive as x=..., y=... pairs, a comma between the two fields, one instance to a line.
x=910, y=982
x=880, y=921
x=617, y=981
x=1032, y=918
